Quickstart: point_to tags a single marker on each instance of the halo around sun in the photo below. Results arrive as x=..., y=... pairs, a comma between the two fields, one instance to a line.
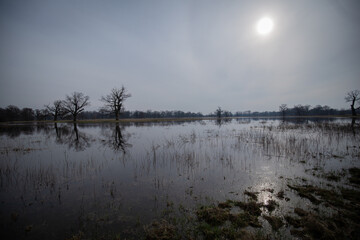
x=265, y=26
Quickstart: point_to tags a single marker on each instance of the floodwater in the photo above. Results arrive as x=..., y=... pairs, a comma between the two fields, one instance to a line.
x=113, y=179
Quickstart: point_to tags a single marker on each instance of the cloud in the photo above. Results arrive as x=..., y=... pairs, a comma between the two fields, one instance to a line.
x=187, y=55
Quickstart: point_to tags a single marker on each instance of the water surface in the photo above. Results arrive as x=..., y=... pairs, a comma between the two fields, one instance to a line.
x=59, y=179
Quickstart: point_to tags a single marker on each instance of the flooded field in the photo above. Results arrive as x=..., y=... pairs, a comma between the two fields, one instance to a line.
x=234, y=179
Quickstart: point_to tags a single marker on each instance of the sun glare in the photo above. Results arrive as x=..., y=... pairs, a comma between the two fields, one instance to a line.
x=265, y=26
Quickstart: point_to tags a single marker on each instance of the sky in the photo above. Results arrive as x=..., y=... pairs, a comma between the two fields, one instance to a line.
x=180, y=55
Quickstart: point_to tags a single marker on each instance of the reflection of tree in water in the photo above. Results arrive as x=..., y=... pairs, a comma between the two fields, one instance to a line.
x=75, y=139
x=222, y=121
x=16, y=130
x=61, y=133
x=355, y=126
x=218, y=122
x=243, y=120
x=227, y=120
x=115, y=139
x=78, y=140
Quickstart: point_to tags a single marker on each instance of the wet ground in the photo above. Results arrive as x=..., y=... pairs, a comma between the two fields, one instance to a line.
x=234, y=179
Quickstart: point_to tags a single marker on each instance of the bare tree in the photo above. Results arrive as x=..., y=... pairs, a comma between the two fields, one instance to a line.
x=41, y=114
x=27, y=114
x=56, y=110
x=219, y=112
x=301, y=110
x=13, y=113
x=114, y=102
x=306, y=109
x=283, y=109
x=75, y=104
x=353, y=97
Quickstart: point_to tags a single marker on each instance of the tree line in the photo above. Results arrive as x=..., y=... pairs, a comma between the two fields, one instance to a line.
x=352, y=97
x=13, y=113
x=284, y=110
x=74, y=104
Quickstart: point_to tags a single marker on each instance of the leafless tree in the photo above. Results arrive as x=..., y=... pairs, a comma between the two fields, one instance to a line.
x=41, y=114
x=301, y=110
x=283, y=109
x=114, y=102
x=219, y=112
x=353, y=97
x=75, y=104
x=56, y=109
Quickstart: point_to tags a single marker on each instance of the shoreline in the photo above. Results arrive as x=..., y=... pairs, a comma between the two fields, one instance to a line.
x=135, y=120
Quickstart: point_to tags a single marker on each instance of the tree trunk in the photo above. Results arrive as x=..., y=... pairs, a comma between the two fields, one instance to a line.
x=117, y=115
x=74, y=117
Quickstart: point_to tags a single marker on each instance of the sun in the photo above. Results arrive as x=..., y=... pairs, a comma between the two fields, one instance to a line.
x=265, y=26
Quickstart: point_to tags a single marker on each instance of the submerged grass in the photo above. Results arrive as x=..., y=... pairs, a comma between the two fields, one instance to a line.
x=355, y=175
x=348, y=199
x=252, y=195
x=271, y=205
x=211, y=222
x=313, y=226
x=221, y=222
x=343, y=223
x=213, y=215
x=275, y=222
x=160, y=230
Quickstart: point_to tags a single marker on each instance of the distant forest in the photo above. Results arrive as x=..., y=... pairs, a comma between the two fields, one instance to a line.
x=13, y=113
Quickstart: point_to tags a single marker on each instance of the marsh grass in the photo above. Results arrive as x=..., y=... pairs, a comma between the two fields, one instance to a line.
x=355, y=175
x=275, y=222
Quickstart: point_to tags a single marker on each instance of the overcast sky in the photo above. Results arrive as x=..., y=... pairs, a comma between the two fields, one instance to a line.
x=180, y=55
